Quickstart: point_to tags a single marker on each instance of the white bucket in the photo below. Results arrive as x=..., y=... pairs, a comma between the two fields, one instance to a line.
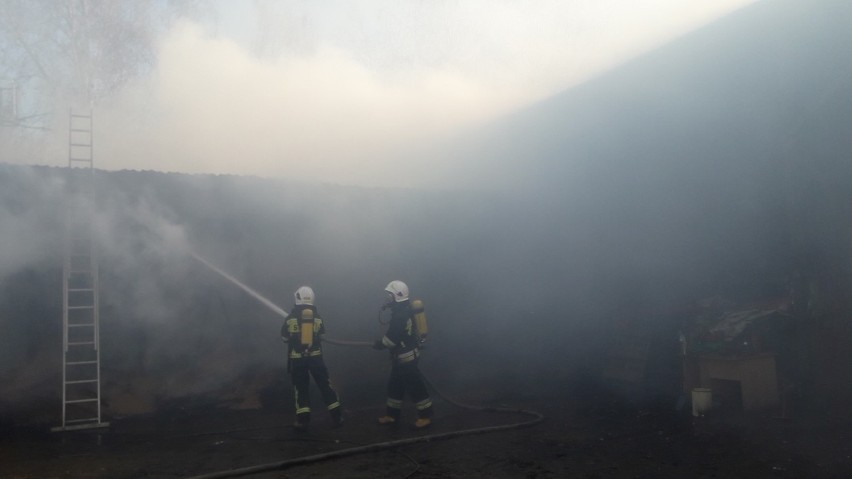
x=702, y=401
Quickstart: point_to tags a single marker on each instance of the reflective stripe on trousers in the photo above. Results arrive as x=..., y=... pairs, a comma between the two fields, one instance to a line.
x=312, y=354
x=424, y=404
x=408, y=356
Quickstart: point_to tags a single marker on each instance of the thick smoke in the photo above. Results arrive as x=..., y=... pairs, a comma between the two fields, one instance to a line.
x=23, y=221
x=713, y=167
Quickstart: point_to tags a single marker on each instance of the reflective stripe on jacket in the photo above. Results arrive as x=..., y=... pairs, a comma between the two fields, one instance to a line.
x=401, y=336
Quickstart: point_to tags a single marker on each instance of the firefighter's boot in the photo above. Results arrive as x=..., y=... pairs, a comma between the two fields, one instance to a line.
x=387, y=420
x=422, y=423
x=392, y=415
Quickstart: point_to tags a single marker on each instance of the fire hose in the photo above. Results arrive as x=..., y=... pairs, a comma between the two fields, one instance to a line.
x=379, y=446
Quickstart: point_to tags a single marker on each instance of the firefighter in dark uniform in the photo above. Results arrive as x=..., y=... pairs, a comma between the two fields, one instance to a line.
x=302, y=331
x=402, y=340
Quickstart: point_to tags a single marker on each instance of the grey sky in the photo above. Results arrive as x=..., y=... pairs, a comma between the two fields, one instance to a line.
x=329, y=91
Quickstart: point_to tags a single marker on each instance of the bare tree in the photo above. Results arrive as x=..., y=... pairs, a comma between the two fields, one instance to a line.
x=78, y=51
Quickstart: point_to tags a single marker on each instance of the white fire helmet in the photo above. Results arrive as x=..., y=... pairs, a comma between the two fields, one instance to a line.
x=304, y=295
x=398, y=290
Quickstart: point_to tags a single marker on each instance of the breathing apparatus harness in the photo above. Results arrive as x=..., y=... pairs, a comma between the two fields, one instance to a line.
x=418, y=317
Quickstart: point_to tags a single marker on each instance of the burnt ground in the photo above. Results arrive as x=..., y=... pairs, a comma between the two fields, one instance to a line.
x=588, y=432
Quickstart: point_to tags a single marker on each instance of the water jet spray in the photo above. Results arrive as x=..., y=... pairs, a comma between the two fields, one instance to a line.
x=266, y=302
x=269, y=304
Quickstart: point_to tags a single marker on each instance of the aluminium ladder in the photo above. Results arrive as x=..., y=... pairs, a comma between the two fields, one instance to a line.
x=81, y=368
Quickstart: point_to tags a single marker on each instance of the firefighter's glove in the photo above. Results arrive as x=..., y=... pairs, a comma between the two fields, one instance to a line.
x=378, y=344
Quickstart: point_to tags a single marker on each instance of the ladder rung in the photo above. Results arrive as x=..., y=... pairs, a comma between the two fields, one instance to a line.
x=80, y=290
x=77, y=401
x=88, y=419
x=82, y=325
x=82, y=381
x=81, y=343
x=77, y=363
x=81, y=307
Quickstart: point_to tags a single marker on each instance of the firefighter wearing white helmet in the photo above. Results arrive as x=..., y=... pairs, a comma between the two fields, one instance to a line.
x=397, y=290
x=402, y=340
x=302, y=332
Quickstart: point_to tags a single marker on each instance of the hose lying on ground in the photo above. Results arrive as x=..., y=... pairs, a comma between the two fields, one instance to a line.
x=379, y=446
x=536, y=417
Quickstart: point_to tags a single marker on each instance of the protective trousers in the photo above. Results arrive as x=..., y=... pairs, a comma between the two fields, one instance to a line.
x=301, y=371
x=406, y=378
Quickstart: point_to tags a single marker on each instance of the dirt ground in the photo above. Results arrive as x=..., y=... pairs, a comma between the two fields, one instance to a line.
x=588, y=432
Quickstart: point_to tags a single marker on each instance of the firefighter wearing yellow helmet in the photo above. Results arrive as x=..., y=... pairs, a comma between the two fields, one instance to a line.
x=302, y=332
x=402, y=340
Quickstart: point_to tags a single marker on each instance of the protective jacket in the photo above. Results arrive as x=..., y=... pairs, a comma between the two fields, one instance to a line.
x=401, y=337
